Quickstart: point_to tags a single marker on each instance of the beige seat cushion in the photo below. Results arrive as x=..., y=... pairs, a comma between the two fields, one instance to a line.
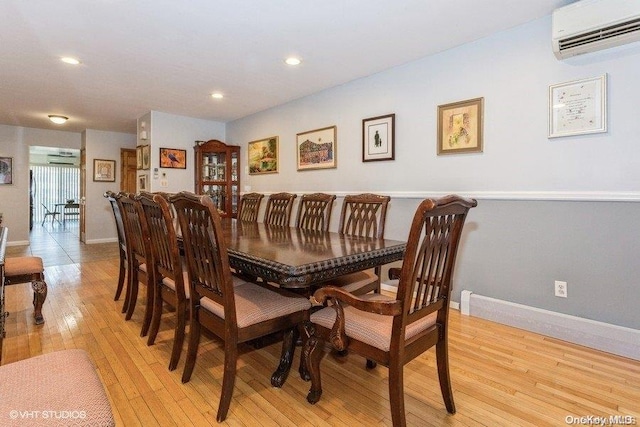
x=64, y=384
x=354, y=281
x=19, y=266
x=370, y=328
x=255, y=304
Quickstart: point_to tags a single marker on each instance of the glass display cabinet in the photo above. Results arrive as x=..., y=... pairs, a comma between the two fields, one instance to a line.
x=218, y=174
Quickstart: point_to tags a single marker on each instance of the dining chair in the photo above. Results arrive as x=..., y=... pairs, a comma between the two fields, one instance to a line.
x=314, y=211
x=48, y=212
x=362, y=215
x=249, y=207
x=166, y=275
x=138, y=258
x=122, y=246
x=278, y=211
x=236, y=314
x=394, y=331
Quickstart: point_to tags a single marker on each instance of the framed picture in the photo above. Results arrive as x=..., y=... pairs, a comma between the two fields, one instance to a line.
x=316, y=149
x=378, y=138
x=173, y=158
x=146, y=157
x=263, y=156
x=139, y=157
x=6, y=170
x=143, y=182
x=104, y=170
x=460, y=127
x=578, y=107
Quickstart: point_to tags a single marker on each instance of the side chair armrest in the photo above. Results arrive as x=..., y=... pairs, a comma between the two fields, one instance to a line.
x=388, y=308
x=394, y=273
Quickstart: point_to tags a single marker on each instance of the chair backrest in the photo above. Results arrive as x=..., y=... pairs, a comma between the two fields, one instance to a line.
x=163, y=241
x=314, y=211
x=132, y=227
x=111, y=197
x=206, y=253
x=364, y=215
x=46, y=209
x=279, y=207
x=427, y=269
x=249, y=207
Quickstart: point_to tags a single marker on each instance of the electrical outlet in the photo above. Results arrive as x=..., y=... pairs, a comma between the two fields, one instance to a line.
x=561, y=289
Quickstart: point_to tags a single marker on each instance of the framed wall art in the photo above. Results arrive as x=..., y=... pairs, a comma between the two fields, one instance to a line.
x=104, y=170
x=139, y=157
x=378, y=138
x=146, y=157
x=460, y=127
x=578, y=107
x=263, y=156
x=143, y=182
x=316, y=149
x=6, y=170
x=173, y=158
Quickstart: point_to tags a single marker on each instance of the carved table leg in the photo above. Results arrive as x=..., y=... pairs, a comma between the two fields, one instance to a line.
x=286, y=358
x=39, y=295
x=308, y=330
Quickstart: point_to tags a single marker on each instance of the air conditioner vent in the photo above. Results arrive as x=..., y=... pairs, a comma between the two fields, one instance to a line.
x=600, y=34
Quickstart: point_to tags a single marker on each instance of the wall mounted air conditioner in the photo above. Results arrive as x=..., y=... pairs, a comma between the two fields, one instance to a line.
x=592, y=25
x=57, y=159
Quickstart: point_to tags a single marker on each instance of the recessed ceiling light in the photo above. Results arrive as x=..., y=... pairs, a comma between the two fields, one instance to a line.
x=292, y=61
x=58, y=119
x=217, y=95
x=70, y=60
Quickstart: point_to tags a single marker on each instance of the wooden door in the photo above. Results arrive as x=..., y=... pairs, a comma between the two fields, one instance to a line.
x=128, y=171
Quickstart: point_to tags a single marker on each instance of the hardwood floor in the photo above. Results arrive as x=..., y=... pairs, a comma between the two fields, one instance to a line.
x=501, y=376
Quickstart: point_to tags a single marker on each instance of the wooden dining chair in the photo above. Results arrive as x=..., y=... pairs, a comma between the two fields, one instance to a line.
x=166, y=275
x=394, y=331
x=314, y=211
x=278, y=210
x=137, y=258
x=362, y=215
x=122, y=246
x=249, y=207
x=236, y=314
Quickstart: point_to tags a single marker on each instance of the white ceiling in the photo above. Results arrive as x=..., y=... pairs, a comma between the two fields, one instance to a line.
x=169, y=55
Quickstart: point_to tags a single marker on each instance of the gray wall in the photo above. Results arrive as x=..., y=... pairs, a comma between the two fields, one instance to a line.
x=549, y=209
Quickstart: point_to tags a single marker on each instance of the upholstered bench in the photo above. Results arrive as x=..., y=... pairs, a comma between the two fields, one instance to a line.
x=28, y=269
x=54, y=389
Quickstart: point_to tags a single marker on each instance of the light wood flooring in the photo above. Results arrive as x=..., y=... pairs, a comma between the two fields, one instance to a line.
x=501, y=376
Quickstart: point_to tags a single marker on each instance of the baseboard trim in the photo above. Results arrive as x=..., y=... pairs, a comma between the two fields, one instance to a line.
x=107, y=240
x=18, y=243
x=610, y=338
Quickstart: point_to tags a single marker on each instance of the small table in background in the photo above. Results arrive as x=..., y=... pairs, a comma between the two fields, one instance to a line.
x=71, y=209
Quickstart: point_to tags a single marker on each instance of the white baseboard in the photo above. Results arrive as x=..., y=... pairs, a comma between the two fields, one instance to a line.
x=590, y=333
x=108, y=240
x=18, y=243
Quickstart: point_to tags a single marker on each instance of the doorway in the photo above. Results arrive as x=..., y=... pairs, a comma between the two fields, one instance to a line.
x=128, y=171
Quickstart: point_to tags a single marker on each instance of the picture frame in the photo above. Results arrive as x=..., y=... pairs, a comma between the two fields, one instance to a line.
x=104, y=170
x=143, y=182
x=460, y=127
x=6, y=170
x=146, y=157
x=139, y=157
x=378, y=138
x=578, y=107
x=317, y=149
x=263, y=156
x=173, y=158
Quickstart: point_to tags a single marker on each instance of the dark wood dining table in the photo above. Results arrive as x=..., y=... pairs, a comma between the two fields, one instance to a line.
x=295, y=258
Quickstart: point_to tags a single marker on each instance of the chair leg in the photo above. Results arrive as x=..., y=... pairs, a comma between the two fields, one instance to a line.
x=396, y=393
x=155, y=317
x=192, y=349
x=442, y=360
x=313, y=351
x=121, y=277
x=178, y=336
x=132, y=294
x=228, y=380
x=148, y=309
x=39, y=287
